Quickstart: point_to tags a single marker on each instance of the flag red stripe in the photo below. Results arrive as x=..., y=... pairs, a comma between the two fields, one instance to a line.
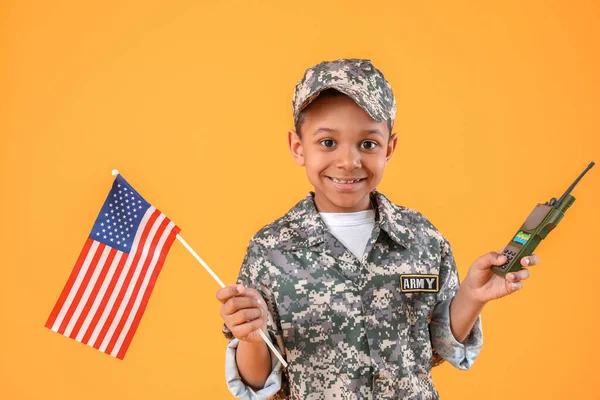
x=84, y=284
x=104, y=302
x=94, y=293
x=138, y=284
x=138, y=316
x=63, y=296
x=123, y=289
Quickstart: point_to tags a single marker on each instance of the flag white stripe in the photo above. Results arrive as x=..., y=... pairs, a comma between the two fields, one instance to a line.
x=142, y=290
x=124, y=272
x=131, y=286
x=75, y=287
x=86, y=294
x=99, y=296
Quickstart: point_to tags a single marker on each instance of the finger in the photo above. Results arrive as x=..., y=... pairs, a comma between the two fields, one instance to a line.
x=243, y=330
x=518, y=276
x=530, y=260
x=243, y=316
x=253, y=293
x=489, y=259
x=235, y=304
x=229, y=291
x=514, y=286
x=259, y=299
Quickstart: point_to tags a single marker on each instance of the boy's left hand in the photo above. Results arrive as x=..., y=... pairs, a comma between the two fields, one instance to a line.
x=485, y=285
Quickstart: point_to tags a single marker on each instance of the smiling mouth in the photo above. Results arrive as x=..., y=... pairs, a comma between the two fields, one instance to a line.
x=345, y=181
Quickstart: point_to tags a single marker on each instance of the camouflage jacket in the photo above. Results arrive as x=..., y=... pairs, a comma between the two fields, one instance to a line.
x=356, y=329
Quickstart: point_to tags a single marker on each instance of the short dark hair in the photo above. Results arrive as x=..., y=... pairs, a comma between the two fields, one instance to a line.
x=325, y=94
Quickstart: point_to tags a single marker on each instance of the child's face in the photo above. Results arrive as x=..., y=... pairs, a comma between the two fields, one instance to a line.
x=344, y=151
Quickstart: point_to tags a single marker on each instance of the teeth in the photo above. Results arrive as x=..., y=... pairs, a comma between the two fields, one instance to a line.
x=341, y=181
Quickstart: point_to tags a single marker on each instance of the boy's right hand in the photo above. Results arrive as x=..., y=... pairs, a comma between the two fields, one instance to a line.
x=244, y=312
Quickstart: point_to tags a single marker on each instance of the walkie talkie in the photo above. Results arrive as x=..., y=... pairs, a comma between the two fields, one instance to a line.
x=538, y=224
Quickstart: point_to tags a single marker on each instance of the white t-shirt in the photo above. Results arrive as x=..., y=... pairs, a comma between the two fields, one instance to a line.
x=353, y=230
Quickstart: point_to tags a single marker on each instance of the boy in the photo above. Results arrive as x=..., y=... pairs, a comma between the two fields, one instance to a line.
x=360, y=295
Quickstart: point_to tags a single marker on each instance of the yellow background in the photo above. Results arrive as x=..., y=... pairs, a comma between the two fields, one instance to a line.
x=498, y=106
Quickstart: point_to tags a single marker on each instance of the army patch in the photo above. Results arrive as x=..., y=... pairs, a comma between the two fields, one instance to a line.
x=419, y=283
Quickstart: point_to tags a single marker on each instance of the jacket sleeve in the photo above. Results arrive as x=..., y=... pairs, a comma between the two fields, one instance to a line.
x=461, y=355
x=236, y=385
x=254, y=274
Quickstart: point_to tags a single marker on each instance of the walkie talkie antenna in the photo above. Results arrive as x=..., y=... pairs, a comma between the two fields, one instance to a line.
x=558, y=203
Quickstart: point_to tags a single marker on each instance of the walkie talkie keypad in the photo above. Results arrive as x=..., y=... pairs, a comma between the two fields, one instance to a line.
x=510, y=254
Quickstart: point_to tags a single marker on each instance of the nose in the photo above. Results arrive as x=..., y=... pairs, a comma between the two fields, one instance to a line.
x=348, y=158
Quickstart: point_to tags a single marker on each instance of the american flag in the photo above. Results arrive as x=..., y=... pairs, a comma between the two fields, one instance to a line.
x=108, y=290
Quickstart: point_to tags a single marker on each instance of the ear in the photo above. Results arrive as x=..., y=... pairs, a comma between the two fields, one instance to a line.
x=296, y=148
x=391, y=147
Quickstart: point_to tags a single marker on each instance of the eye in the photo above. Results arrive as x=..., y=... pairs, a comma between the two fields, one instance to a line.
x=368, y=145
x=328, y=142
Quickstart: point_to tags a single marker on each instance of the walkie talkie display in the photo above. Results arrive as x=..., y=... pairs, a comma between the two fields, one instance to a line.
x=538, y=224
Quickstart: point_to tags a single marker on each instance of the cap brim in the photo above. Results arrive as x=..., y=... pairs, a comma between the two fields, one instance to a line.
x=347, y=90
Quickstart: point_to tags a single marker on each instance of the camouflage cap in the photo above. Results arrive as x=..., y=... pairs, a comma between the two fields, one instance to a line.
x=356, y=78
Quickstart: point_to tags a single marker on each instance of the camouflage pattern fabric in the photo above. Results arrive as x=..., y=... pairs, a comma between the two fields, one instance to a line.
x=343, y=324
x=356, y=78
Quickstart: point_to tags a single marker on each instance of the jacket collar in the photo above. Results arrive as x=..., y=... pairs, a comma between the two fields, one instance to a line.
x=303, y=227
